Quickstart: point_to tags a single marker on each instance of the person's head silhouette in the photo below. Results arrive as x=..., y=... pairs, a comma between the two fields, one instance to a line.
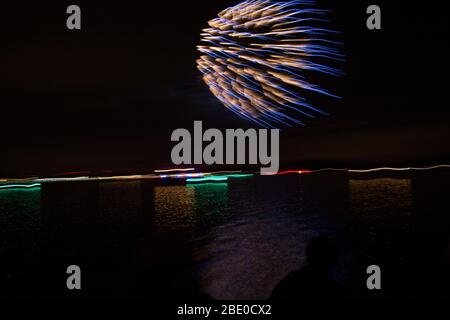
x=321, y=253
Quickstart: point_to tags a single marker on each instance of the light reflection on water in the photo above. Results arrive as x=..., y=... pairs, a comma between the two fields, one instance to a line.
x=235, y=240
x=20, y=228
x=383, y=200
x=174, y=206
x=191, y=206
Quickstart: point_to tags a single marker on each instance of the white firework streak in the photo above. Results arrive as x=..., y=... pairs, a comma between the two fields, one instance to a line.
x=256, y=55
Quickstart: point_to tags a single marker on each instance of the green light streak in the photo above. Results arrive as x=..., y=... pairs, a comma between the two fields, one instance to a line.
x=238, y=175
x=20, y=186
x=208, y=185
x=208, y=179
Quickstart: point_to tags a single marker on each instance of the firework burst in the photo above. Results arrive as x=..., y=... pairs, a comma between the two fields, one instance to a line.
x=257, y=55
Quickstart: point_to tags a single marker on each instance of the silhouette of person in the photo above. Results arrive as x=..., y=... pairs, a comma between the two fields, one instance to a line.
x=314, y=280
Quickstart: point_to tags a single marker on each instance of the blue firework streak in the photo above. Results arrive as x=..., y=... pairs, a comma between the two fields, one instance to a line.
x=256, y=56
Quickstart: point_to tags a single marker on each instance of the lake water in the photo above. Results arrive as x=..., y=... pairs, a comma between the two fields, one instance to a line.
x=232, y=240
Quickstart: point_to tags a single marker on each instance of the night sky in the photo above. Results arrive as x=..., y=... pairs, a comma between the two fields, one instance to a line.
x=109, y=96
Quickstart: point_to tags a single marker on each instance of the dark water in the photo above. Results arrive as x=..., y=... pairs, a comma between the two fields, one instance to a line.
x=232, y=240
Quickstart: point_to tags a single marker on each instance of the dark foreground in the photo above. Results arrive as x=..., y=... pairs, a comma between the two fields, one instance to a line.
x=233, y=240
